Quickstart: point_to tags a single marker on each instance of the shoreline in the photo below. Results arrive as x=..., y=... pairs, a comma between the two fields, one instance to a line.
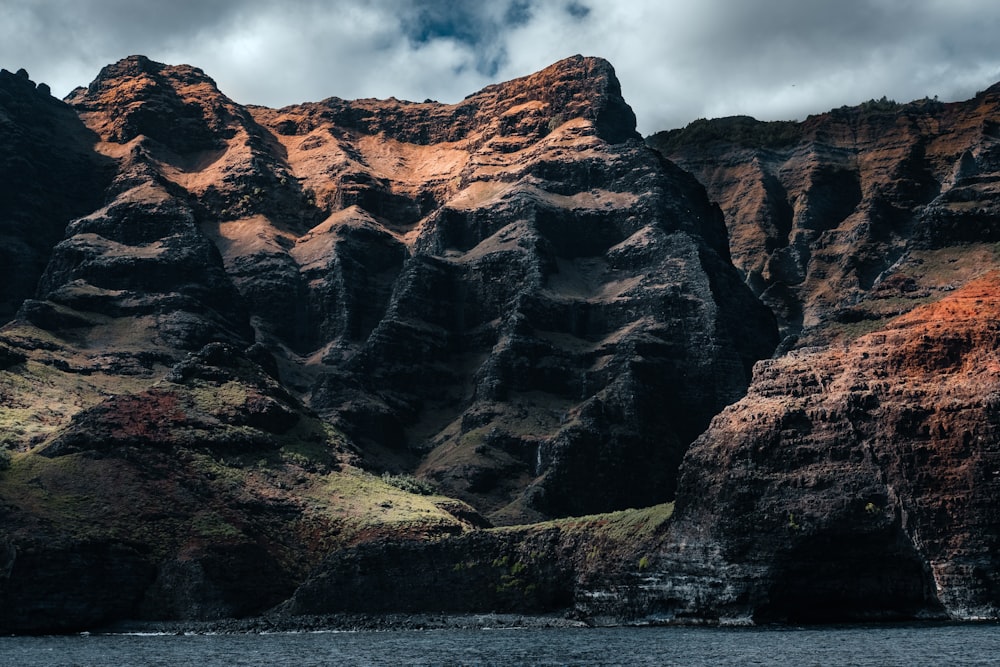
x=397, y=622
x=344, y=622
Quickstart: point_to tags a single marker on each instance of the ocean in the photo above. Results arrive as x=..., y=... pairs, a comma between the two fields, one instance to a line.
x=884, y=646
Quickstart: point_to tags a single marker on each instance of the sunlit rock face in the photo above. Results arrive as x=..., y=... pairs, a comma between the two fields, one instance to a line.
x=219, y=320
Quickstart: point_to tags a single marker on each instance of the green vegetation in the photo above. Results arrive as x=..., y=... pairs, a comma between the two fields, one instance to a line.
x=884, y=105
x=214, y=398
x=741, y=130
x=38, y=399
x=363, y=503
x=311, y=443
x=61, y=492
x=623, y=525
x=410, y=484
x=211, y=525
x=515, y=576
x=5, y=458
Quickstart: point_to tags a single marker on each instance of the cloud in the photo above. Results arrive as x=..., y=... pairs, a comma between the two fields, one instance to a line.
x=678, y=60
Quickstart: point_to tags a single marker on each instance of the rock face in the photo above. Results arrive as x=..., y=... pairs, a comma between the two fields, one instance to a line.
x=48, y=175
x=819, y=211
x=505, y=290
x=552, y=566
x=511, y=299
x=227, y=321
x=855, y=480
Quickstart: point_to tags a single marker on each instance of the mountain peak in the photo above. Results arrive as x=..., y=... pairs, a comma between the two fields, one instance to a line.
x=584, y=87
x=135, y=66
x=178, y=105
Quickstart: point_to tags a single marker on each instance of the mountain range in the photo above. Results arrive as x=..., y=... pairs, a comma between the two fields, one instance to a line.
x=499, y=355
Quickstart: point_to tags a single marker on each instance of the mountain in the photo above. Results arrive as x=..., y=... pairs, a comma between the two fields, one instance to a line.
x=502, y=355
x=858, y=476
x=252, y=340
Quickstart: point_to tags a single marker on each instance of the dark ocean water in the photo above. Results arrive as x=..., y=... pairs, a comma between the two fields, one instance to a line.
x=906, y=646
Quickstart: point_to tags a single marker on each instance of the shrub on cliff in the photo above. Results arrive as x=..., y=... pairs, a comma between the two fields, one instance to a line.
x=410, y=484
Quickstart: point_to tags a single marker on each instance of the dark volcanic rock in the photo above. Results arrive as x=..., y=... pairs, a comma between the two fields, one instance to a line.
x=548, y=567
x=48, y=175
x=177, y=106
x=214, y=582
x=217, y=399
x=511, y=298
x=70, y=587
x=854, y=482
x=482, y=572
x=538, y=305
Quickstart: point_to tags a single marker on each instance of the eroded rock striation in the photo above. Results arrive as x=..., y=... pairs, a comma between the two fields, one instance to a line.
x=818, y=212
x=48, y=175
x=509, y=289
x=302, y=358
x=853, y=481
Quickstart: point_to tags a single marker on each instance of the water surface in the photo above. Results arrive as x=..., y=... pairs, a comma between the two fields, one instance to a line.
x=903, y=646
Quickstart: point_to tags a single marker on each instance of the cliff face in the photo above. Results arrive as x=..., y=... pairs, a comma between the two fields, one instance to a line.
x=501, y=291
x=855, y=480
x=511, y=299
x=819, y=211
x=48, y=175
x=227, y=321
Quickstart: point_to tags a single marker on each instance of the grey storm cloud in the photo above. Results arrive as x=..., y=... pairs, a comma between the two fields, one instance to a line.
x=678, y=60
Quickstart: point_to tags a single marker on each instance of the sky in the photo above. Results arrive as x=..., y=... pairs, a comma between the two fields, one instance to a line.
x=677, y=60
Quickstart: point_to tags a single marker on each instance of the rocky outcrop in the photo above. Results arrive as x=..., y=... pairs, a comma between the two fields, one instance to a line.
x=67, y=588
x=543, y=568
x=209, y=495
x=482, y=295
x=853, y=480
